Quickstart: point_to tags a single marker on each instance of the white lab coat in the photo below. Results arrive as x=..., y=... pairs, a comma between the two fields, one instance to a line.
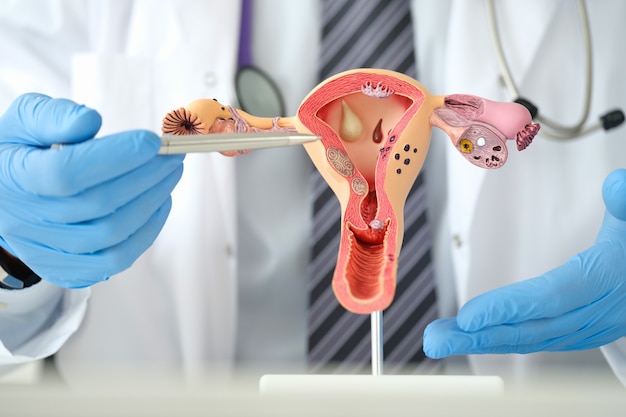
x=189, y=303
x=176, y=308
x=545, y=205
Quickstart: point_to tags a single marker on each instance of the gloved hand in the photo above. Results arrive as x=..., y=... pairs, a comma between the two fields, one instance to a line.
x=82, y=212
x=579, y=305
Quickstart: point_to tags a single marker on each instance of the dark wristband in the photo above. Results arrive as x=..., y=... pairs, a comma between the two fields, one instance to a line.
x=19, y=275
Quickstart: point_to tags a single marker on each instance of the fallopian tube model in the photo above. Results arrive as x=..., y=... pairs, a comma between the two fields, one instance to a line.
x=376, y=127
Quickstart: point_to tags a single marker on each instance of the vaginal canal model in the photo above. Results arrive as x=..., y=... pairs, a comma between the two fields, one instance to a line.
x=376, y=129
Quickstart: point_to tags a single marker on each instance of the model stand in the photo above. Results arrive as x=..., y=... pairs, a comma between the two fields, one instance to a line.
x=376, y=128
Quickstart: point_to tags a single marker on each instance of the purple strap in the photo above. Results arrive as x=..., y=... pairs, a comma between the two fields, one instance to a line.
x=245, y=55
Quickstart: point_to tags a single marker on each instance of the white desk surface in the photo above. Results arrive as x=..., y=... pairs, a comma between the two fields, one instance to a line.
x=557, y=394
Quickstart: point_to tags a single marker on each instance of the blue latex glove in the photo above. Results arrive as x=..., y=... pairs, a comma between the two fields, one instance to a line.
x=80, y=213
x=579, y=305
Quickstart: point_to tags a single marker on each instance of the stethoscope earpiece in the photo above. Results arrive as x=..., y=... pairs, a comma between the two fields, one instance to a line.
x=612, y=119
x=534, y=111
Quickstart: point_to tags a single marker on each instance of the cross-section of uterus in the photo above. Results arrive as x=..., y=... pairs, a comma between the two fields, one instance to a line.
x=376, y=129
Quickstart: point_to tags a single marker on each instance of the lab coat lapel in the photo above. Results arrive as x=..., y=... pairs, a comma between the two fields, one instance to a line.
x=192, y=50
x=522, y=26
x=205, y=203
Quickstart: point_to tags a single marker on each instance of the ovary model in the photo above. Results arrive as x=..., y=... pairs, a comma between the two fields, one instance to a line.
x=376, y=128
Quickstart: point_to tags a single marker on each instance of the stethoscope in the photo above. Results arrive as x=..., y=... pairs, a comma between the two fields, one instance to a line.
x=551, y=128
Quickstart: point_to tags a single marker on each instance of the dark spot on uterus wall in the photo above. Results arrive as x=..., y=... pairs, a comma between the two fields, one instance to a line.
x=405, y=161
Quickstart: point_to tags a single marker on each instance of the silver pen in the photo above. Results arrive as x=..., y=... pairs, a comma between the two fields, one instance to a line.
x=224, y=142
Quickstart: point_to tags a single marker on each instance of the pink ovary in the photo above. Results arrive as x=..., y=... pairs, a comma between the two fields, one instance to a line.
x=487, y=149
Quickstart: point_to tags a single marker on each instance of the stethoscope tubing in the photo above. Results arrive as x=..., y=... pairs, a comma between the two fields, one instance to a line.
x=556, y=130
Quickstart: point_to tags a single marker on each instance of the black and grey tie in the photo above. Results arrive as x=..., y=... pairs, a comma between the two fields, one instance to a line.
x=376, y=34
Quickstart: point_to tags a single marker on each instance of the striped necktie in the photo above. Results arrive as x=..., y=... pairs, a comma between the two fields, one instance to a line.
x=376, y=34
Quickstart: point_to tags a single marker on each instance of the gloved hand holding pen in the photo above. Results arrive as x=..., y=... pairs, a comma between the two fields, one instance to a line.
x=579, y=305
x=78, y=213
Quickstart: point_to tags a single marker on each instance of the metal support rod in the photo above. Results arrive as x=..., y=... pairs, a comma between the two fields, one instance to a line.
x=377, y=342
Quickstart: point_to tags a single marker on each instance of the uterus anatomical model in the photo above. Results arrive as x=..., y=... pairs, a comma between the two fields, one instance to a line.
x=376, y=129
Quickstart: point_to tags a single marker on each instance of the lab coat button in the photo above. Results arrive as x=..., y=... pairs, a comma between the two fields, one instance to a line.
x=210, y=79
x=457, y=240
x=229, y=251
